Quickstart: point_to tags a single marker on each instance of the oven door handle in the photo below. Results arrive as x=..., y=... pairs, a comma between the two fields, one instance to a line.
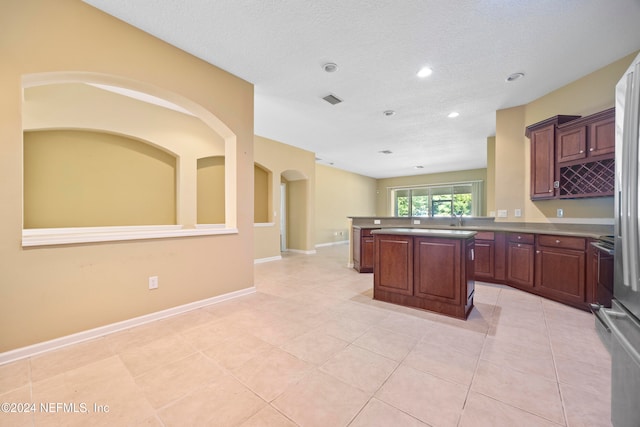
x=597, y=310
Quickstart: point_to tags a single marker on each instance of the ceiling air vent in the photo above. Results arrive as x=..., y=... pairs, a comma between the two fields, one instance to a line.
x=332, y=99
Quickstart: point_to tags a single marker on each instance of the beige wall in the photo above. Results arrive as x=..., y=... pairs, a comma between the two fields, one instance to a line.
x=211, y=191
x=55, y=291
x=590, y=94
x=262, y=194
x=340, y=194
x=75, y=178
x=297, y=167
x=383, y=204
x=490, y=188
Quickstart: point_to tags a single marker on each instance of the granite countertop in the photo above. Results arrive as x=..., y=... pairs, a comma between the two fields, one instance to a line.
x=535, y=228
x=428, y=232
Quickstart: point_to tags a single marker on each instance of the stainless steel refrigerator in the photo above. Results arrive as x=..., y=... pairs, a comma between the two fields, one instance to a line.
x=622, y=321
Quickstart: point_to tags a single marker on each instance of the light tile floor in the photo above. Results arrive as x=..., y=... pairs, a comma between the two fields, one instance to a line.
x=311, y=348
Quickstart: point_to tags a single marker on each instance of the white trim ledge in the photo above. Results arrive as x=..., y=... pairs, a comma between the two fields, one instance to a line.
x=35, y=349
x=67, y=236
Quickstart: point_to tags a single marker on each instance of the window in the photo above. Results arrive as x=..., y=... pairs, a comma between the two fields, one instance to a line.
x=439, y=200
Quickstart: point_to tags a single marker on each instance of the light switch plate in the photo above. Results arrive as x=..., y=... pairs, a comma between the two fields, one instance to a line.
x=502, y=213
x=560, y=213
x=376, y=221
x=517, y=213
x=416, y=221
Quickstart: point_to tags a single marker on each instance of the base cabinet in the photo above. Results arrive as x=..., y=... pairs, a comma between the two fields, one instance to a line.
x=363, y=249
x=430, y=273
x=520, y=260
x=485, y=252
x=561, y=268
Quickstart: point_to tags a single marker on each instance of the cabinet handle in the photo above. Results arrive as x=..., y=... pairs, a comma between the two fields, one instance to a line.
x=557, y=241
x=519, y=245
x=591, y=149
x=581, y=151
x=537, y=252
x=550, y=190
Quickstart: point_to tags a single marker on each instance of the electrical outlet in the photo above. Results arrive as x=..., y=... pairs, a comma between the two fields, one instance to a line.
x=502, y=213
x=376, y=221
x=560, y=213
x=517, y=213
x=416, y=221
x=153, y=282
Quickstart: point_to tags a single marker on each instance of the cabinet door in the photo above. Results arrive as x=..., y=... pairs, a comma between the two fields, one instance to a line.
x=393, y=264
x=356, y=241
x=367, y=252
x=520, y=264
x=602, y=137
x=542, y=163
x=484, y=259
x=560, y=274
x=571, y=144
x=437, y=269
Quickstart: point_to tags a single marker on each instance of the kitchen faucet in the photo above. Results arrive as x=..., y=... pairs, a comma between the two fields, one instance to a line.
x=458, y=219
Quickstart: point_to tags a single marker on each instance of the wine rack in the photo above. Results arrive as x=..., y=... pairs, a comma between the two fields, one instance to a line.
x=591, y=179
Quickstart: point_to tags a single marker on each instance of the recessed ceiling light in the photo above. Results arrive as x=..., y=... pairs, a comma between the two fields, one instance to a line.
x=330, y=67
x=385, y=152
x=419, y=167
x=389, y=113
x=453, y=114
x=424, y=72
x=515, y=76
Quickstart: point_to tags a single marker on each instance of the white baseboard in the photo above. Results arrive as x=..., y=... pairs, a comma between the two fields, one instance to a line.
x=341, y=242
x=300, y=251
x=269, y=259
x=35, y=349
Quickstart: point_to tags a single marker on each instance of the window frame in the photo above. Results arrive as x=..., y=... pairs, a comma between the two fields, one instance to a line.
x=428, y=188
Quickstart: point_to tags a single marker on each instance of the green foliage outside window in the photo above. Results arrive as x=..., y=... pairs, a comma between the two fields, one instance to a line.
x=436, y=201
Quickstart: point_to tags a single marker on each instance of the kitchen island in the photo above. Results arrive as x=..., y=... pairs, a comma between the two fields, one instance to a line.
x=429, y=269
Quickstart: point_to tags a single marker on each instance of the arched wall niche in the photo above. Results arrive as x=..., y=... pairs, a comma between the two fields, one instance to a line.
x=263, y=194
x=165, y=116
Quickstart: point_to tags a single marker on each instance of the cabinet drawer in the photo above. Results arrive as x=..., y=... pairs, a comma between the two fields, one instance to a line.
x=567, y=242
x=484, y=235
x=521, y=238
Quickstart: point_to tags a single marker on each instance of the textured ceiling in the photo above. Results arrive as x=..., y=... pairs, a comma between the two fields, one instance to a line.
x=379, y=45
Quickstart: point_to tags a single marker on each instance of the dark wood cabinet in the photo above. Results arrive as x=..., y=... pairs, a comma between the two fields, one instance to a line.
x=561, y=268
x=542, y=136
x=485, y=254
x=573, y=157
x=572, y=144
x=587, y=137
x=394, y=264
x=520, y=260
x=585, y=156
x=602, y=135
x=363, y=249
x=542, y=165
x=437, y=269
x=431, y=273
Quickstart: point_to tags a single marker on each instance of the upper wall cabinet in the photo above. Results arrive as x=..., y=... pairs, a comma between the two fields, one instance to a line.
x=543, y=143
x=573, y=157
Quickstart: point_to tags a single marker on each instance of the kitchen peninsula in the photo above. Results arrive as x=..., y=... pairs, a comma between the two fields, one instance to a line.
x=425, y=268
